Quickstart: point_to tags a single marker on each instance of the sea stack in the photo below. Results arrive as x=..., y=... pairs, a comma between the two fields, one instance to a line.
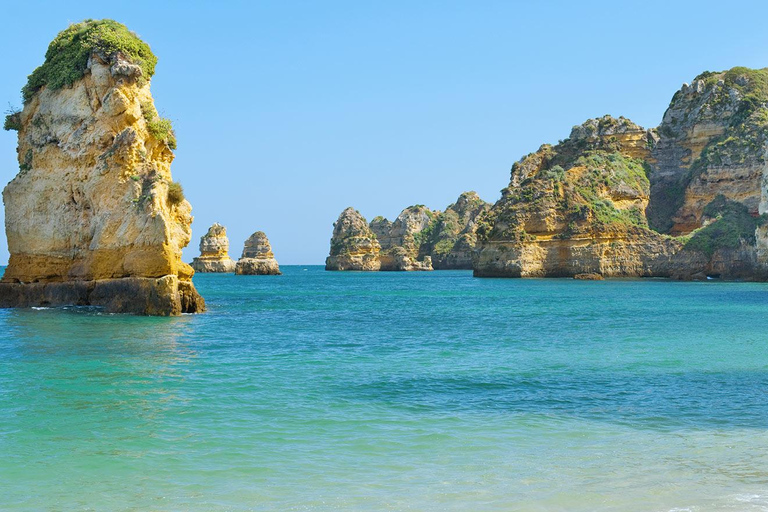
x=401, y=241
x=353, y=245
x=418, y=239
x=93, y=216
x=257, y=257
x=453, y=234
x=214, y=251
x=432, y=239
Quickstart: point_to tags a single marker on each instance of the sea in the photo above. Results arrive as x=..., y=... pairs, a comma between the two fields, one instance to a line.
x=431, y=391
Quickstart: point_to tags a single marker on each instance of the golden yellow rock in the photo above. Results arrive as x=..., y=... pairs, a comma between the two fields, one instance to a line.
x=94, y=198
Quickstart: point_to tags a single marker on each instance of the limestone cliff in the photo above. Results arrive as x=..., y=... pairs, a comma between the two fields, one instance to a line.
x=93, y=216
x=606, y=200
x=418, y=238
x=577, y=208
x=353, y=244
x=401, y=240
x=214, y=251
x=451, y=237
x=257, y=258
x=712, y=142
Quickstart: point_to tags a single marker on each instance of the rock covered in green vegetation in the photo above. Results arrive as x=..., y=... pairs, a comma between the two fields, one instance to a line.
x=401, y=243
x=93, y=216
x=418, y=239
x=576, y=208
x=709, y=173
x=712, y=142
x=66, y=60
x=353, y=244
x=451, y=237
x=684, y=200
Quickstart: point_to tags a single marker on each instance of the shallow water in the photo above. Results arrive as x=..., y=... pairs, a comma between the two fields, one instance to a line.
x=390, y=391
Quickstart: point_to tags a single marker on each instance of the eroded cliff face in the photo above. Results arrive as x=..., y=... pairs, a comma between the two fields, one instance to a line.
x=613, y=199
x=401, y=242
x=353, y=245
x=93, y=216
x=576, y=208
x=420, y=238
x=257, y=258
x=214, y=252
x=452, y=236
x=712, y=142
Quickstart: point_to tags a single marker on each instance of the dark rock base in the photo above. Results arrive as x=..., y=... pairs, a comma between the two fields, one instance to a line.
x=164, y=296
x=257, y=267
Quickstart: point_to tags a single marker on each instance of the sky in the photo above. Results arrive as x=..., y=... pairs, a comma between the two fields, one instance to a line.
x=286, y=112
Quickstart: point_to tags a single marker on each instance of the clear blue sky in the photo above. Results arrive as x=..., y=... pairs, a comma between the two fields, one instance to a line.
x=287, y=112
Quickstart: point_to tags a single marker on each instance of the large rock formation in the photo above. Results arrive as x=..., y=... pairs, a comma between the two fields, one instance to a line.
x=684, y=201
x=214, y=251
x=418, y=238
x=451, y=239
x=93, y=217
x=353, y=245
x=577, y=207
x=400, y=243
x=257, y=258
x=712, y=142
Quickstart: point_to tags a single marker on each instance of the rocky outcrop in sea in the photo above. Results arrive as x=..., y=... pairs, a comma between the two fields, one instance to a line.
x=686, y=200
x=257, y=258
x=400, y=240
x=214, y=251
x=452, y=234
x=93, y=216
x=353, y=244
x=418, y=239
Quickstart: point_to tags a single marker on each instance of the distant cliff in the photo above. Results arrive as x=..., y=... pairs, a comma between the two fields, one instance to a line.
x=93, y=216
x=685, y=200
x=418, y=239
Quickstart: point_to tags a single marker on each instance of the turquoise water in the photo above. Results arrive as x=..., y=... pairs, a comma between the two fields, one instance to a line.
x=390, y=391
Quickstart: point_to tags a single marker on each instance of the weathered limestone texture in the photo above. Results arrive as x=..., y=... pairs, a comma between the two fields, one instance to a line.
x=417, y=239
x=686, y=200
x=214, y=252
x=353, y=245
x=452, y=236
x=93, y=216
x=257, y=258
x=400, y=244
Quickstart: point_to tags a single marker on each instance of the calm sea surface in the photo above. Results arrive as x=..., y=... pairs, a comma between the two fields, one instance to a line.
x=393, y=391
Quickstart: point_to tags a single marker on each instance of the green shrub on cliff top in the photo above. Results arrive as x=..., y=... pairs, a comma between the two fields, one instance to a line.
x=159, y=127
x=12, y=121
x=67, y=56
x=175, y=193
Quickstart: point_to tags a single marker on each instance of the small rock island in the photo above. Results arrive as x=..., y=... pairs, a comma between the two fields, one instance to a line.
x=214, y=252
x=257, y=258
x=93, y=216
